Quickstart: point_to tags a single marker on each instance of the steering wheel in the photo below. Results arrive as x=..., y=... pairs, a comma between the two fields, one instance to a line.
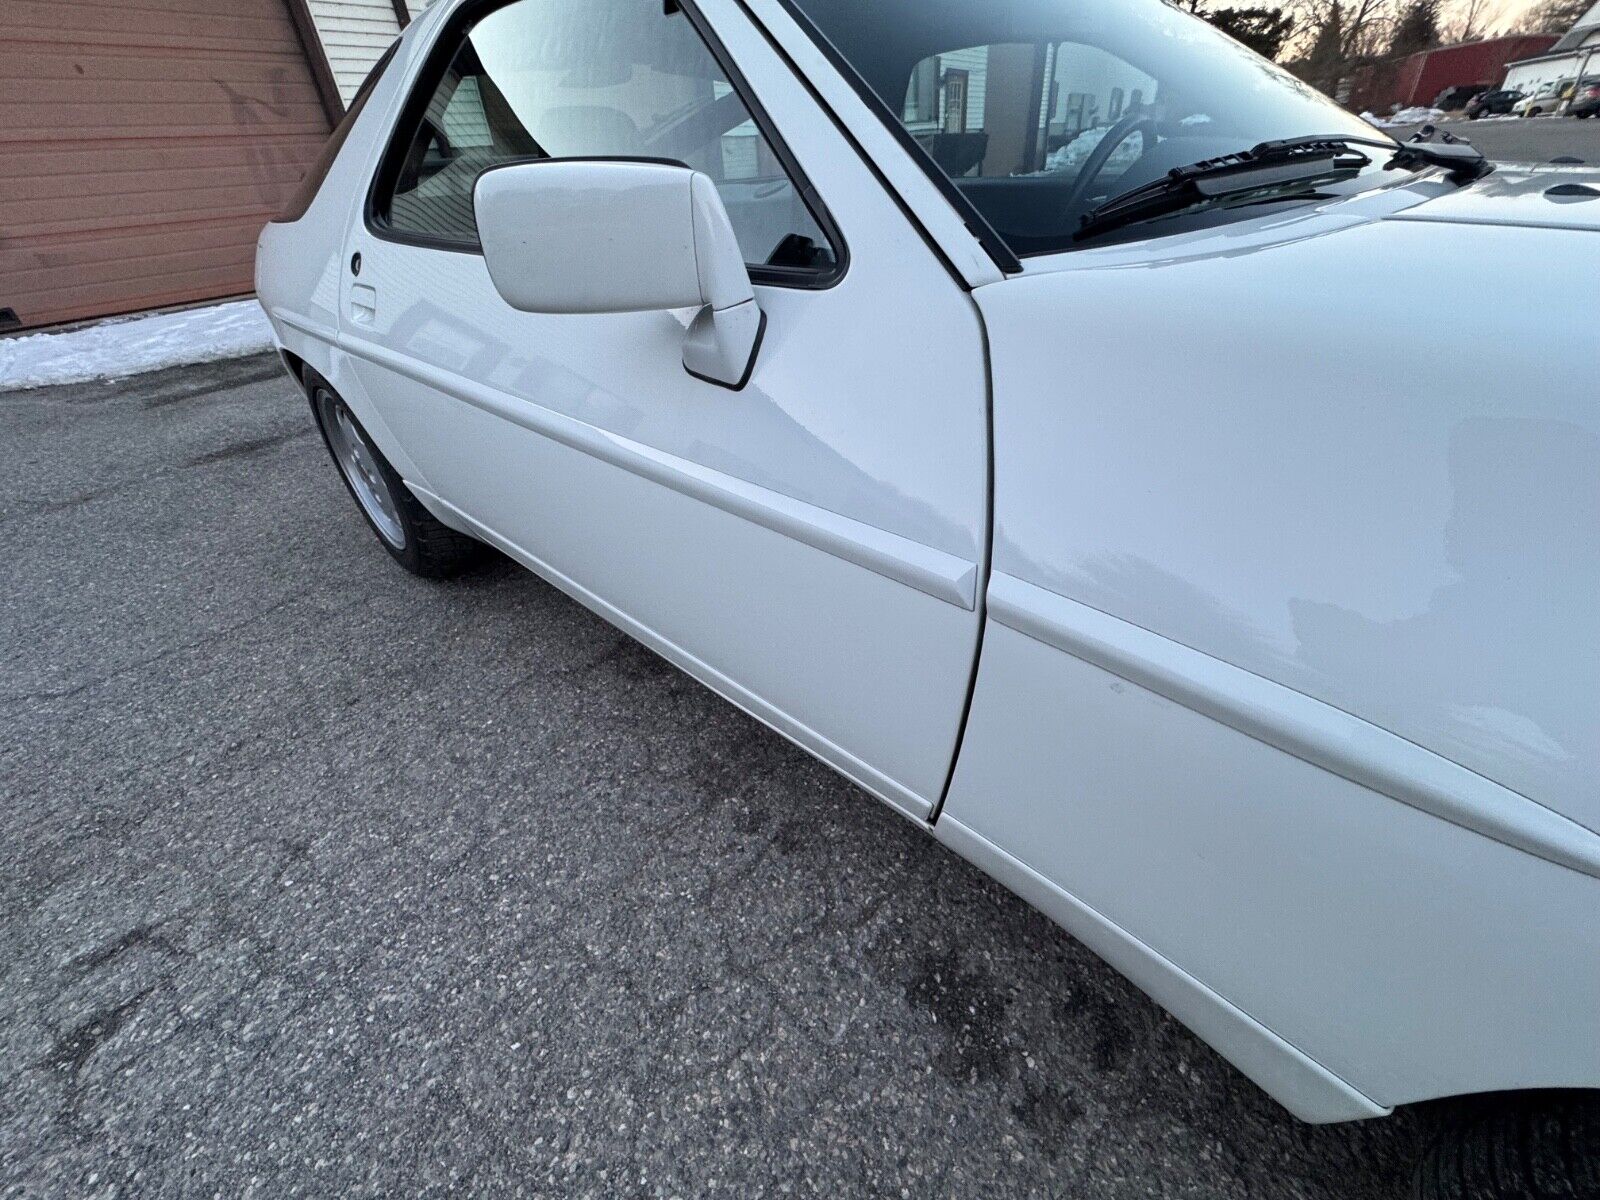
x=438, y=137
x=1134, y=122
x=430, y=136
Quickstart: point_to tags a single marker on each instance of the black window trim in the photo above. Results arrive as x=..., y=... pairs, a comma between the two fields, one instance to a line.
x=311, y=183
x=376, y=73
x=977, y=224
x=442, y=53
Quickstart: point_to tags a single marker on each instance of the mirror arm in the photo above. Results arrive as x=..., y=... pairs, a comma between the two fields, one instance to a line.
x=722, y=344
x=725, y=336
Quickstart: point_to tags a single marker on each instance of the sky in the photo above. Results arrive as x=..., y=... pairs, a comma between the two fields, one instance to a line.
x=1503, y=18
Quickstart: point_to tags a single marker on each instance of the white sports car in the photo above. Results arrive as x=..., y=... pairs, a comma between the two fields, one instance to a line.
x=1020, y=405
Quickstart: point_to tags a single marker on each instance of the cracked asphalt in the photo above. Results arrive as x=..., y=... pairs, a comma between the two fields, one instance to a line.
x=321, y=880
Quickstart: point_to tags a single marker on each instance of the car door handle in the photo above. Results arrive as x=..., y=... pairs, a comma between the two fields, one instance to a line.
x=363, y=303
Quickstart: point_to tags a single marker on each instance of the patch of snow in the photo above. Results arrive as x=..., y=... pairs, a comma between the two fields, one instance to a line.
x=1196, y=119
x=1077, y=150
x=1406, y=116
x=134, y=345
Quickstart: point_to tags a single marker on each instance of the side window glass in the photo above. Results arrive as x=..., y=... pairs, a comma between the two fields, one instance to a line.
x=593, y=79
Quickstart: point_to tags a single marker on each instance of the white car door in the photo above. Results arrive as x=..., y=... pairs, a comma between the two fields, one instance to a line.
x=810, y=544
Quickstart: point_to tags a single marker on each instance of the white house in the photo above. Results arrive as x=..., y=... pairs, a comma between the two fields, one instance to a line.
x=1578, y=51
x=355, y=32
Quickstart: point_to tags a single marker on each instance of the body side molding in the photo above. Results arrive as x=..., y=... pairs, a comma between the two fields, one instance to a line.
x=943, y=576
x=324, y=334
x=1311, y=730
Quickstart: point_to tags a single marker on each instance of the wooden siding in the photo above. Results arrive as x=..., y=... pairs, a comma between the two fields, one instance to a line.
x=145, y=144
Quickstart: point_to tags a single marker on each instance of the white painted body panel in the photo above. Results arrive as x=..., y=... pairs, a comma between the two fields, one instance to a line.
x=814, y=536
x=1247, y=449
x=1287, y=702
x=1292, y=672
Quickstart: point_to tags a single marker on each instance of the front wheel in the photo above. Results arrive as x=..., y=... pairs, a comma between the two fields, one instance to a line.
x=412, y=535
x=1523, y=1148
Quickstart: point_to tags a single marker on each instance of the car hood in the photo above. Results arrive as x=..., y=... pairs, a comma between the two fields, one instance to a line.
x=1551, y=196
x=1544, y=197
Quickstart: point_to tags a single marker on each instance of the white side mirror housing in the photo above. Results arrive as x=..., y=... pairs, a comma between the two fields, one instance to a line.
x=619, y=235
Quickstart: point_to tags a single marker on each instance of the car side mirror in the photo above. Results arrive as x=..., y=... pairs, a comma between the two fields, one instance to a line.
x=621, y=235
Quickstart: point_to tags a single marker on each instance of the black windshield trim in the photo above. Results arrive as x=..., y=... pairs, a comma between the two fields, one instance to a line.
x=993, y=244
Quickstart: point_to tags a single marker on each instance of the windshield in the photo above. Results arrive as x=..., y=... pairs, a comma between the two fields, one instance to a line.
x=1039, y=110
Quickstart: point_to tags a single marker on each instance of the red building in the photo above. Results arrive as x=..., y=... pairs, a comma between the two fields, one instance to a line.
x=1418, y=78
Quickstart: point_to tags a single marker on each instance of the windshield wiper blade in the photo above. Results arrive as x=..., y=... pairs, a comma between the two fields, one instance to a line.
x=1277, y=165
x=1289, y=167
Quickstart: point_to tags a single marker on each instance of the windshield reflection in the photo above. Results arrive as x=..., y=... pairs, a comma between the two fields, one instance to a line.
x=1039, y=110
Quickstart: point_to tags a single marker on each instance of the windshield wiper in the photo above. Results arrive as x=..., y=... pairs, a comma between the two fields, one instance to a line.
x=1281, y=168
x=1464, y=161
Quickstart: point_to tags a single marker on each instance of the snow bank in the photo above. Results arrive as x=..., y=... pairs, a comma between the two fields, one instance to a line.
x=134, y=345
x=1406, y=116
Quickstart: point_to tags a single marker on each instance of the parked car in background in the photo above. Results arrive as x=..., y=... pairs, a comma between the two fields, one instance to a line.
x=1492, y=104
x=1586, y=99
x=1098, y=512
x=1544, y=100
x=1453, y=99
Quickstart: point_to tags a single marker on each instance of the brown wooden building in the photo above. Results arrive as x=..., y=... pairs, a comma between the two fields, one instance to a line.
x=143, y=143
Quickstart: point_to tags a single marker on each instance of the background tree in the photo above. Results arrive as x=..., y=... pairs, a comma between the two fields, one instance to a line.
x=1324, y=61
x=1553, y=16
x=1416, y=29
x=1469, y=20
x=1334, y=36
x=1264, y=30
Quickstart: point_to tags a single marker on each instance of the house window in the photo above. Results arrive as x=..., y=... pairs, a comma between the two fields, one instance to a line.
x=922, y=97
x=955, y=101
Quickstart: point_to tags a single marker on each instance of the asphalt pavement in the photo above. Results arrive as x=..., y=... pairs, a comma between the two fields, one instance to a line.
x=320, y=880
x=1526, y=139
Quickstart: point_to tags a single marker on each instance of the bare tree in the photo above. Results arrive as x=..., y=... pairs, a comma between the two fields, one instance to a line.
x=1552, y=16
x=1416, y=28
x=1469, y=20
x=1334, y=35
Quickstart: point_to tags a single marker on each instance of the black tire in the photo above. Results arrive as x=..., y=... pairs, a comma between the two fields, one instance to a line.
x=1543, y=1147
x=413, y=536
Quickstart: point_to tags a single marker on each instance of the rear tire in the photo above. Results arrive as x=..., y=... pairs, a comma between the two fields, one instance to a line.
x=413, y=536
x=1541, y=1147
